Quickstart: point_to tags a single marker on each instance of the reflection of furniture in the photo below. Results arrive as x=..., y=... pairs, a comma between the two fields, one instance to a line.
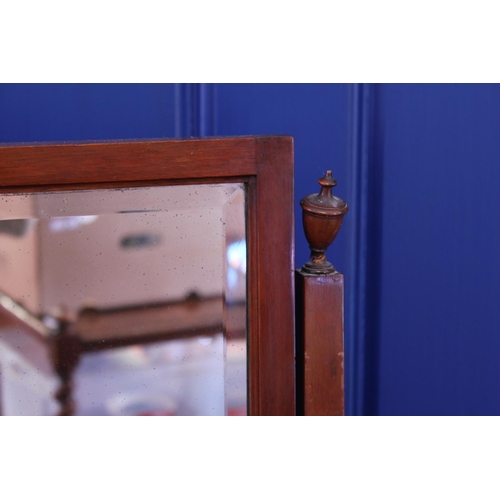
x=265, y=166
x=94, y=330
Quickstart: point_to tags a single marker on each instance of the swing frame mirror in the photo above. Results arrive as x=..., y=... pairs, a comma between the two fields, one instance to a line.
x=263, y=164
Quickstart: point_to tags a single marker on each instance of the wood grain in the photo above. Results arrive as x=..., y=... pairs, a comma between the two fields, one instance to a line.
x=63, y=164
x=265, y=164
x=320, y=351
x=271, y=301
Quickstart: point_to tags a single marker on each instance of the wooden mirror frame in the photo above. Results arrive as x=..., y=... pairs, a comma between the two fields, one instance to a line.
x=264, y=164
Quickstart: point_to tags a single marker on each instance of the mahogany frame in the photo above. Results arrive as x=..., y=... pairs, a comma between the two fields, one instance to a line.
x=264, y=164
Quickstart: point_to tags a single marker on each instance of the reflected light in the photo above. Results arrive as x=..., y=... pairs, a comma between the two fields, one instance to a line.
x=59, y=224
x=236, y=255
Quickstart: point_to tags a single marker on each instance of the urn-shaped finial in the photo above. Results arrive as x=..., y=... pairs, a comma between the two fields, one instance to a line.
x=322, y=216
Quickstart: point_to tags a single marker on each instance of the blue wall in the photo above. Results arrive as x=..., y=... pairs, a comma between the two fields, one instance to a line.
x=420, y=167
x=439, y=159
x=315, y=115
x=72, y=112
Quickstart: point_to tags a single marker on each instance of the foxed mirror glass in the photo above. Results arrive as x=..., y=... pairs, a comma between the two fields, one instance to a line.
x=124, y=301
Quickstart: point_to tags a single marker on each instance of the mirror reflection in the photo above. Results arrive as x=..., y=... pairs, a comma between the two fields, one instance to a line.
x=124, y=302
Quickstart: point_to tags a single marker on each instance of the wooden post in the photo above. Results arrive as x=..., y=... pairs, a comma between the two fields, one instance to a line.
x=65, y=351
x=320, y=309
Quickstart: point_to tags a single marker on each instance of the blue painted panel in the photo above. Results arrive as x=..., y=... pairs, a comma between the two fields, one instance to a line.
x=439, y=341
x=316, y=116
x=71, y=112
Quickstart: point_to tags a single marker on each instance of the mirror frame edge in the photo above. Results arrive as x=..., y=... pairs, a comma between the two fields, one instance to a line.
x=264, y=163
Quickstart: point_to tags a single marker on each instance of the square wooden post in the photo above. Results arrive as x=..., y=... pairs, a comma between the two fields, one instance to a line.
x=320, y=343
x=320, y=308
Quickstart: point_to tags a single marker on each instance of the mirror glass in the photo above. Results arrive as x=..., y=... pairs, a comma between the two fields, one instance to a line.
x=124, y=302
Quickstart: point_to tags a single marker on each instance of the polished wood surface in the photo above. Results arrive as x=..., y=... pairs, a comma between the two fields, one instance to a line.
x=320, y=346
x=320, y=308
x=322, y=216
x=107, y=162
x=264, y=164
x=271, y=301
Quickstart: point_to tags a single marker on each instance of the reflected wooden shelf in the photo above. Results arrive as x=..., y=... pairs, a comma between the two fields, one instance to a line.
x=103, y=329
x=52, y=345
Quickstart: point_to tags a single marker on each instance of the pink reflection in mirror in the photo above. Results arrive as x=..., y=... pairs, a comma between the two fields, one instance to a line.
x=124, y=302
